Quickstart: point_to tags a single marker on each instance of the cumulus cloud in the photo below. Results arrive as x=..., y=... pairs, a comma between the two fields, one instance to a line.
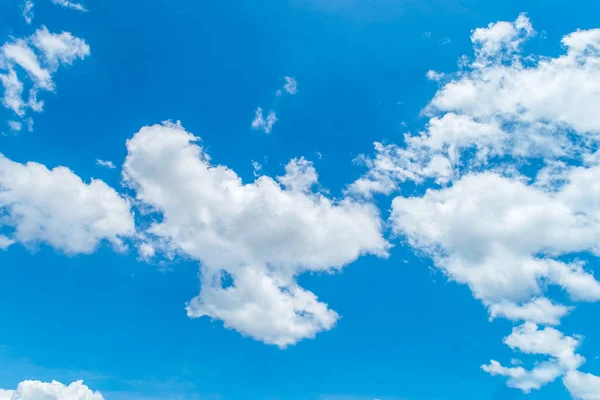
x=260, y=123
x=36, y=390
x=260, y=235
x=501, y=103
x=54, y=206
x=38, y=56
x=508, y=232
x=530, y=339
x=582, y=386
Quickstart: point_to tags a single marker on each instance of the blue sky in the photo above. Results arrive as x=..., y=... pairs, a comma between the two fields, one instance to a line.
x=471, y=239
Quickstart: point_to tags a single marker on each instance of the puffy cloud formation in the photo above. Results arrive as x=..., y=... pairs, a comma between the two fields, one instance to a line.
x=529, y=339
x=509, y=233
x=36, y=390
x=37, y=57
x=259, y=235
x=582, y=386
x=56, y=207
x=501, y=103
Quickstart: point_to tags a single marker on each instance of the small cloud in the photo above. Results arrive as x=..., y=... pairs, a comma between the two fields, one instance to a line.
x=146, y=251
x=69, y=4
x=28, y=11
x=291, y=85
x=427, y=34
x=15, y=126
x=257, y=168
x=319, y=155
x=106, y=164
x=434, y=76
x=5, y=242
x=445, y=41
x=260, y=122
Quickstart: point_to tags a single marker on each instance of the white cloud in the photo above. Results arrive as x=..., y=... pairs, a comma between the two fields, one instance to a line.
x=529, y=339
x=36, y=390
x=291, y=85
x=70, y=4
x=261, y=234
x=503, y=238
x=300, y=175
x=15, y=126
x=5, y=242
x=502, y=103
x=260, y=122
x=19, y=52
x=56, y=207
x=434, y=75
x=54, y=50
x=539, y=310
x=13, y=90
x=499, y=236
x=28, y=11
x=501, y=39
x=59, y=48
x=582, y=386
x=106, y=164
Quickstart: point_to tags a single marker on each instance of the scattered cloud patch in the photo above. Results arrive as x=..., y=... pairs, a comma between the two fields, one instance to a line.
x=434, y=76
x=69, y=4
x=15, y=126
x=290, y=85
x=105, y=164
x=260, y=123
x=28, y=11
x=37, y=58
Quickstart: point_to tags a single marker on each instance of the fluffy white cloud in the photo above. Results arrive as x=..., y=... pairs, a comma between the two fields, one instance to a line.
x=501, y=103
x=56, y=207
x=582, y=386
x=529, y=339
x=259, y=234
x=498, y=235
x=300, y=175
x=59, y=48
x=260, y=122
x=70, y=4
x=36, y=390
x=508, y=232
x=539, y=310
x=53, y=50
